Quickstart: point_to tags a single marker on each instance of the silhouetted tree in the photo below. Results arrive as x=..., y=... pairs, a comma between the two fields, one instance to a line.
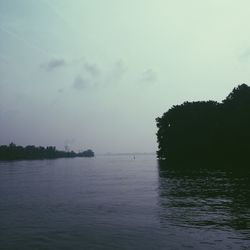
x=30, y=152
x=207, y=131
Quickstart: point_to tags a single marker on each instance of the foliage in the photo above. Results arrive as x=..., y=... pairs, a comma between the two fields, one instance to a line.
x=13, y=152
x=207, y=131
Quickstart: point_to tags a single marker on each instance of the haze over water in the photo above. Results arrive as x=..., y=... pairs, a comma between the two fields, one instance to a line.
x=79, y=74
x=116, y=202
x=95, y=74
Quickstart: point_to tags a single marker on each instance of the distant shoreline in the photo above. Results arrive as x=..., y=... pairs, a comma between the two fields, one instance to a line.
x=125, y=154
x=13, y=152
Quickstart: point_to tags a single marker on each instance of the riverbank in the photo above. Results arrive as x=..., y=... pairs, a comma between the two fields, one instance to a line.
x=14, y=152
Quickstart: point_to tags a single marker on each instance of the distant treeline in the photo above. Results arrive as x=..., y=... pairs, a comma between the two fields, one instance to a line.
x=13, y=152
x=207, y=131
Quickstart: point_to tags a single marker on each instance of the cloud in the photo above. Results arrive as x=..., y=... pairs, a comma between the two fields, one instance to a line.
x=94, y=77
x=80, y=83
x=117, y=72
x=90, y=79
x=148, y=76
x=54, y=64
x=92, y=69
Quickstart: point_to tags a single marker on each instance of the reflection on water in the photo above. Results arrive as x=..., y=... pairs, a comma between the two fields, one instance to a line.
x=208, y=199
x=121, y=203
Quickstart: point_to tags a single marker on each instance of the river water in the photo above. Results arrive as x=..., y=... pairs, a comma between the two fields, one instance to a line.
x=116, y=202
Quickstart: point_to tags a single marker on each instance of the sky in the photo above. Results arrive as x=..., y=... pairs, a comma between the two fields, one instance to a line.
x=95, y=74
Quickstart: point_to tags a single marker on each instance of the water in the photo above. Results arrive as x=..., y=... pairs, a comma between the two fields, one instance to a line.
x=116, y=202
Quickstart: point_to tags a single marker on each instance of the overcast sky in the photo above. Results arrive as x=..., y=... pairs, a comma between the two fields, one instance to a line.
x=95, y=74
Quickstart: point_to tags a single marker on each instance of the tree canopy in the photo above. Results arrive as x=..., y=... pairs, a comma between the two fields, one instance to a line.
x=207, y=130
x=14, y=152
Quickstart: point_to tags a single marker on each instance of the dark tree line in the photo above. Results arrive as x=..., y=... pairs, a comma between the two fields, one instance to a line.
x=13, y=152
x=207, y=131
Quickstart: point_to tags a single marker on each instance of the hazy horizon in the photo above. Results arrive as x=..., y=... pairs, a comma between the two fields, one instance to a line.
x=91, y=74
